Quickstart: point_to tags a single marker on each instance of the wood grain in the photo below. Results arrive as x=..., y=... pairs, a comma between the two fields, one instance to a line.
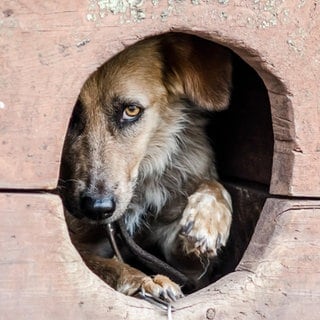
x=278, y=277
x=49, y=49
x=43, y=277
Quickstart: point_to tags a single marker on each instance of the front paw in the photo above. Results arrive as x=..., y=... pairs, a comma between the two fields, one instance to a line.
x=206, y=220
x=158, y=286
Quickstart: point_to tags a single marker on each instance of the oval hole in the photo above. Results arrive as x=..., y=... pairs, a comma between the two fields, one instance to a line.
x=242, y=139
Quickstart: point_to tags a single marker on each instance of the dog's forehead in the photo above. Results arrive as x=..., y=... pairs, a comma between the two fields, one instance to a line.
x=143, y=86
x=135, y=74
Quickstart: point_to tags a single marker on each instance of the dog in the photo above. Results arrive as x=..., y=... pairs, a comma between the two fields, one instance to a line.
x=137, y=148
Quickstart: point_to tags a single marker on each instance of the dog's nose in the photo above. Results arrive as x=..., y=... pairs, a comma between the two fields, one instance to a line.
x=97, y=208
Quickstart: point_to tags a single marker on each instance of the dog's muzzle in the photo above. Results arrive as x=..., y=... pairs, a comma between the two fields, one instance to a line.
x=97, y=207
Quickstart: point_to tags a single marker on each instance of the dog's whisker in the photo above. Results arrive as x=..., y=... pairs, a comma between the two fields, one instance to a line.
x=205, y=266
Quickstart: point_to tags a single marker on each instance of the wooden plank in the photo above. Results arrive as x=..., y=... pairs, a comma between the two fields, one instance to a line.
x=279, y=275
x=41, y=274
x=49, y=49
x=43, y=277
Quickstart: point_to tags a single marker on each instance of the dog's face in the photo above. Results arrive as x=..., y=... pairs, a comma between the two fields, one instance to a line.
x=125, y=117
x=118, y=112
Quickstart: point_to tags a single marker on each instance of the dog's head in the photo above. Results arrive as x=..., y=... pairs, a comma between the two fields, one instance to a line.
x=128, y=114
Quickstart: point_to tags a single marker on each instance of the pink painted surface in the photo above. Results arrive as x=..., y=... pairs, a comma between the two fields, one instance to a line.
x=49, y=48
x=43, y=277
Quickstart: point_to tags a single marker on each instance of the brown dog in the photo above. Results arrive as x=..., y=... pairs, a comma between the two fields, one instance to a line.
x=136, y=146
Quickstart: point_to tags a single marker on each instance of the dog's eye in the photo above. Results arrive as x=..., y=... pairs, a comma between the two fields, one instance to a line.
x=131, y=112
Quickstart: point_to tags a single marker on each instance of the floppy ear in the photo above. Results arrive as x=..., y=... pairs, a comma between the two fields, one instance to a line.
x=198, y=70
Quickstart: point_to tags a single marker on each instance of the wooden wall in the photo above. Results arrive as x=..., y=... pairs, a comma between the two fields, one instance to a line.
x=48, y=49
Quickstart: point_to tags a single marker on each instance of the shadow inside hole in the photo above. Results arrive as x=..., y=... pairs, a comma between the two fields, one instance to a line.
x=242, y=138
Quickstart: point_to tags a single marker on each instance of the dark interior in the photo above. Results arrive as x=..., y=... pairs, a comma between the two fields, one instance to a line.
x=242, y=137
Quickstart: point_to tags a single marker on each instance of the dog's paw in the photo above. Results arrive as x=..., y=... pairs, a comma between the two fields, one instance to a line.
x=158, y=286
x=161, y=287
x=206, y=220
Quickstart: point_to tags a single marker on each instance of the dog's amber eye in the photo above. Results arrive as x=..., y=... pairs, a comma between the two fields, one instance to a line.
x=131, y=112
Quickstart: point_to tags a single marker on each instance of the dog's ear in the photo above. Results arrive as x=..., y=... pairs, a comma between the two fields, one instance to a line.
x=198, y=70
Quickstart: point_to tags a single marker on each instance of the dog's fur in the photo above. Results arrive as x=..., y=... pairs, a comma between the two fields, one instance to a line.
x=158, y=166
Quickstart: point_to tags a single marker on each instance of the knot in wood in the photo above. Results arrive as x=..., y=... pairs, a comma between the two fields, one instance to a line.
x=211, y=313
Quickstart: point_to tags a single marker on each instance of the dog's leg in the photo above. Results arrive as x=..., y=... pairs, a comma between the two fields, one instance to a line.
x=129, y=280
x=206, y=220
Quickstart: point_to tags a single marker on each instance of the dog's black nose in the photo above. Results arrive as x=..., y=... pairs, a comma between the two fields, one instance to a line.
x=97, y=208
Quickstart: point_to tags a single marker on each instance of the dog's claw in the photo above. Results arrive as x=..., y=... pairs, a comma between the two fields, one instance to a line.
x=167, y=295
x=218, y=241
x=171, y=295
x=186, y=229
x=163, y=295
x=162, y=287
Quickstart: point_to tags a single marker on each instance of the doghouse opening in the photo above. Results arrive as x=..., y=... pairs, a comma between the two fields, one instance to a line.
x=242, y=139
